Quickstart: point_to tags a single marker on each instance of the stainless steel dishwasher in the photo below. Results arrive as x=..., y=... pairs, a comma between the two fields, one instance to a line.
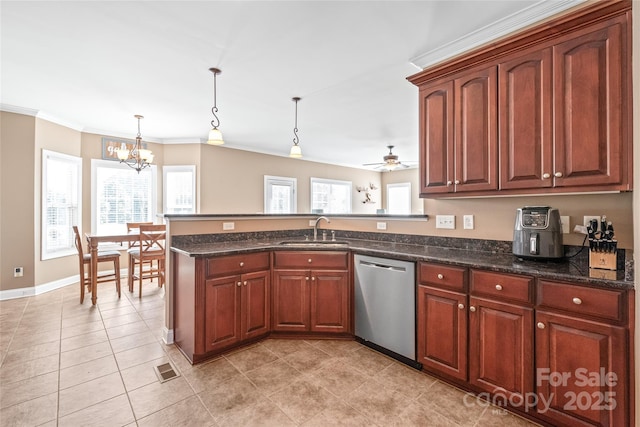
x=385, y=306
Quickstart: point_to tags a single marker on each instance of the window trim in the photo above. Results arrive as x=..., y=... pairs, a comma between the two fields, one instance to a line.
x=271, y=179
x=314, y=180
x=399, y=185
x=45, y=253
x=95, y=163
x=179, y=168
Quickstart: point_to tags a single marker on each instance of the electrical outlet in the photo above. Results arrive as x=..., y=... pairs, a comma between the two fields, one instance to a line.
x=18, y=272
x=587, y=218
x=312, y=223
x=566, y=226
x=381, y=226
x=468, y=222
x=228, y=225
x=446, y=221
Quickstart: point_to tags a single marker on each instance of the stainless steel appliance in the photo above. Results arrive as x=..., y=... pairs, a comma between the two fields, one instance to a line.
x=385, y=305
x=538, y=233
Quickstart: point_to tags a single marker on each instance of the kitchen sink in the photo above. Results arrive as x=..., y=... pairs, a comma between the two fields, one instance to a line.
x=315, y=243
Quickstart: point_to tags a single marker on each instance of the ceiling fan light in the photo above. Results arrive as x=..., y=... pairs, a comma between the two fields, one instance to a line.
x=296, y=152
x=215, y=137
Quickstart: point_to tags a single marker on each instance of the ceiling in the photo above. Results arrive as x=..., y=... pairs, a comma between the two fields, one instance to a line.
x=92, y=65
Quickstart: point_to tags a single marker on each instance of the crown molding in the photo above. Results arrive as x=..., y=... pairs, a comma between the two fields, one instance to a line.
x=41, y=115
x=512, y=23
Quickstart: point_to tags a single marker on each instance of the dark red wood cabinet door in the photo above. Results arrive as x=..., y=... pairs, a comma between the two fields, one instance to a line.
x=222, y=312
x=436, y=138
x=329, y=299
x=291, y=300
x=256, y=302
x=589, y=88
x=525, y=118
x=442, y=331
x=476, y=130
x=501, y=348
x=573, y=359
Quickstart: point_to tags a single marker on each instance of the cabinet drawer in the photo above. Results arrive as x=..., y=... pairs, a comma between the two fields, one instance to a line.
x=608, y=304
x=237, y=264
x=310, y=259
x=501, y=286
x=442, y=276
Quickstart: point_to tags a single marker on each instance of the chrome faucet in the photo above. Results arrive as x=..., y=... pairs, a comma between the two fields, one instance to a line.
x=315, y=227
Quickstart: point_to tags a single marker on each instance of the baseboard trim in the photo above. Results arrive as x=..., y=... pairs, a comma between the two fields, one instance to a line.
x=167, y=335
x=47, y=287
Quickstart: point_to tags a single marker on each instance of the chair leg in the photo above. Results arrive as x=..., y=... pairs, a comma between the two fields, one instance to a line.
x=82, y=285
x=140, y=281
x=131, y=271
x=116, y=266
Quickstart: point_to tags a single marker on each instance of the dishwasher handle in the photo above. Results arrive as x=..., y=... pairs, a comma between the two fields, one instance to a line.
x=383, y=266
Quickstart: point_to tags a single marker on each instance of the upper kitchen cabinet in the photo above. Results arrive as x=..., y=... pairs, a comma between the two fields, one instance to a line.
x=554, y=118
x=525, y=115
x=590, y=107
x=459, y=134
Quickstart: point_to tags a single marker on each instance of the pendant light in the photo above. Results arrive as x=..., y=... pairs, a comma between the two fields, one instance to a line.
x=138, y=158
x=215, y=136
x=296, y=151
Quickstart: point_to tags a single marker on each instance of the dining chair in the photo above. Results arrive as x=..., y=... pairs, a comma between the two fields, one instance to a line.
x=133, y=245
x=85, y=260
x=151, y=247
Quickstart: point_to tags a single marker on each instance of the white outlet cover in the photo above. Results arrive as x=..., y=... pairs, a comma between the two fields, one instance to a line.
x=446, y=221
x=468, y=222
x=228, y=225
x=564, y=220
x=381, y=226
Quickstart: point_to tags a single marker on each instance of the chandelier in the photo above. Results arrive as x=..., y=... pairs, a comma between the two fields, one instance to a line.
x=296, y=151
x=215, y=136
x=138, y=158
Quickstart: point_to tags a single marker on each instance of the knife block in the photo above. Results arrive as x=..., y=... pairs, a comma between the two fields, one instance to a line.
x=603, y=260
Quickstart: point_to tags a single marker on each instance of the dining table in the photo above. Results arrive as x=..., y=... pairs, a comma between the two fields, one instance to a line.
x=93, y=240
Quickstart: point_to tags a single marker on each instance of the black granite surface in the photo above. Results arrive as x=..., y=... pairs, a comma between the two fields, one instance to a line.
x=474, y=253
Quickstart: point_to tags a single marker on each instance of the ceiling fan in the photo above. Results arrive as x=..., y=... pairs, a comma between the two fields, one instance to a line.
x=390, y=163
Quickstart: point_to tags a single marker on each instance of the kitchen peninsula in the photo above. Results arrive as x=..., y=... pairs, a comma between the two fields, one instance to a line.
x=468, y=291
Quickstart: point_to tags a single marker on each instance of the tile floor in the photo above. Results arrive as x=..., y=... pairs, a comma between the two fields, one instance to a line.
x=67, y=364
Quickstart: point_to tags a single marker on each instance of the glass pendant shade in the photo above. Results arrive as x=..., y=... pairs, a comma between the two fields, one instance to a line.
x=296, y=152
x=122, y=153
x=215, y=137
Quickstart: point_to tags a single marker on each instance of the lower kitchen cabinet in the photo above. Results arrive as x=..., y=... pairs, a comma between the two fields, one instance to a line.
x=442, y=331
x=220, y=302
x=237, y=308
x=311, y=292
x=501, y=348
x=582, y=355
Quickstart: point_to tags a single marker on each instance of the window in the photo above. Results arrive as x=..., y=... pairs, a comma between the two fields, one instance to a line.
x=119, y=195
x=179, y=189
x=330, y=196
x=280, y=195
x=399, y=198
x=61, y=207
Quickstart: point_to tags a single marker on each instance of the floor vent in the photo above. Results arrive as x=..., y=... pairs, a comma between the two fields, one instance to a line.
x=166, y=372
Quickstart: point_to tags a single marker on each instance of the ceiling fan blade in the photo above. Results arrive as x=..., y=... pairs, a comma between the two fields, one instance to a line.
x=372, y=164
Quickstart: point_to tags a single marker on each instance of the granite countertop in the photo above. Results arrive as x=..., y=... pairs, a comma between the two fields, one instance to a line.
x=571, y=270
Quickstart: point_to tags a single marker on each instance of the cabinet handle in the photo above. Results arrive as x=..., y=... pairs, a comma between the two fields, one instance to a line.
x=440, y=276
x=577, y=301
x=245, y=283
x=307, y=278
x=239, y=283
x=540, y=325
x=309, y=260
x=313, y=278
x=456, y=182
x=472, y=309
x=449, y=183
x=460, y=306
x=241, y=264
x=558, y=174
x=546, y=176
x=498, y=287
